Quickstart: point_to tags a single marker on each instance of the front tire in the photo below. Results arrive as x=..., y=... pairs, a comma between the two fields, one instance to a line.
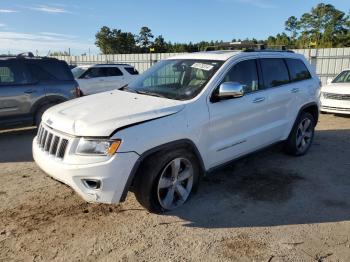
x=166, y=180
x=301, y=136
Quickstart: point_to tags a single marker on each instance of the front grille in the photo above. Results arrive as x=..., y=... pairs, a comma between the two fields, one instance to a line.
x=336, y=96
x=51, y=143
x=336, y=108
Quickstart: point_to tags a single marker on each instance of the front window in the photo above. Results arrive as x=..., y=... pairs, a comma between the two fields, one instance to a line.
x=179, y=79
x=343, y=77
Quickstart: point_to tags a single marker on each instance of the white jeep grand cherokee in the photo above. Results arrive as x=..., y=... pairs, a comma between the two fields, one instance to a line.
x=182, y=118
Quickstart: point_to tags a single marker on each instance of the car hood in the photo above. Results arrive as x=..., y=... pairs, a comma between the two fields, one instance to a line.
x=101, y=114
x=337, y=88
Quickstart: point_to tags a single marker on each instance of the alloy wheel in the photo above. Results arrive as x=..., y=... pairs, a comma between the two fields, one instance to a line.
x=304, y=135
x=175, y=183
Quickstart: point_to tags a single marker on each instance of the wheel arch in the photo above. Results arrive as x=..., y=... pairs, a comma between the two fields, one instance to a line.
x=311, y=108
x=45, y=101
x=182, y=143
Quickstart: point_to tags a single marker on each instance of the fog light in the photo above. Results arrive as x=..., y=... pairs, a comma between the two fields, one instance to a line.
x=92, y=183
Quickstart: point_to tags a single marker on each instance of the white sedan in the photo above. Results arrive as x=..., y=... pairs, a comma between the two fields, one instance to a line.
x=335, y=96
x=98, y=78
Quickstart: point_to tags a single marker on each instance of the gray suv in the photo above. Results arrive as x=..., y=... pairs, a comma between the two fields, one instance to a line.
x=29, y=85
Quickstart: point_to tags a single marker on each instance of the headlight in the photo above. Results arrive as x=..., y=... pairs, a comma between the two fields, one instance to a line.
x=98, y=147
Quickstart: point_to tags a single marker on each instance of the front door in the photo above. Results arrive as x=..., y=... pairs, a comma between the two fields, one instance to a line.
x=239, y=125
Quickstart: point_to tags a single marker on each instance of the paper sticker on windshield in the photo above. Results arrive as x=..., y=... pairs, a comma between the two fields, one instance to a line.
x=202, y=66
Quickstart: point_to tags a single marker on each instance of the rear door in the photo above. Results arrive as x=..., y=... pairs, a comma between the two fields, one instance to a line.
x=282, y=96
x=130, y=74
x=18, y=91
x=54, y=76
x=114, y=78
x=303, y=84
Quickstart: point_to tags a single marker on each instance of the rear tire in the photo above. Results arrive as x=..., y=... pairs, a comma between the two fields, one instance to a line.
x=40, y=112
x=301, y=136
x=166, y=180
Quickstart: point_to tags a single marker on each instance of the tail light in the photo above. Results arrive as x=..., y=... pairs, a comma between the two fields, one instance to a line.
x=78, y=91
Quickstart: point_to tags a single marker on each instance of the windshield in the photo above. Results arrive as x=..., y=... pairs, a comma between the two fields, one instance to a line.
x=343, y=77
x=78, y=71
x=175, y=79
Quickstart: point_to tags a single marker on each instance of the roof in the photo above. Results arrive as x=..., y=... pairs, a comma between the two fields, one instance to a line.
x=224, y=55
x=104, y=65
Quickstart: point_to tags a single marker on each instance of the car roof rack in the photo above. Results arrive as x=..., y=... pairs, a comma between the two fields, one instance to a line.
x=248, y=46
x=26, y=55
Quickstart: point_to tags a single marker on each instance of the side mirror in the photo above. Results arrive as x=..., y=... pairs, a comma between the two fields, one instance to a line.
x=329, y=81
x=231, y=90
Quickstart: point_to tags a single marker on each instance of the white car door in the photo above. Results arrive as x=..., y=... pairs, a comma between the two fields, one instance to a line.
x=282, y=94
x=114, y=78
x=239, y=125
x=92, y=81
x=304, y=85
x=130, y=74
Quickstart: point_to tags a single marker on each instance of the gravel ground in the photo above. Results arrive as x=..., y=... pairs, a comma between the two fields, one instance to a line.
x=266, y=207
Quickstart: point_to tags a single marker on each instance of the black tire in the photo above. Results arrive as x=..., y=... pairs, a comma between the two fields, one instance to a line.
x=148, y=177
x=294, y=145
x=39, y=113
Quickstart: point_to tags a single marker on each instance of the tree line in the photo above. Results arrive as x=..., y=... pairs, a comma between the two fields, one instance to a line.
x=323, y=27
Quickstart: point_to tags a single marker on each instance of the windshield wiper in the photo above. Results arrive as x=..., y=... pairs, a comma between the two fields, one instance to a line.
x=149, y=93
x=128, y=89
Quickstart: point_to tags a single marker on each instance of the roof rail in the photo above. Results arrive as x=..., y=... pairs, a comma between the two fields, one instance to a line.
x=231, y=46
x=120, y=64
x=274, y=48
x=26, y=54
x=248, y=46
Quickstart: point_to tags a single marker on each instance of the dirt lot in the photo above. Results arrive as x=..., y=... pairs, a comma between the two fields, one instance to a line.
x=266, y=207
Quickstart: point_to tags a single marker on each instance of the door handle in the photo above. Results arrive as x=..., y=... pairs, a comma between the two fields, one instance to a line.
x=295, y=90
x=30, y=91
x=259, y=99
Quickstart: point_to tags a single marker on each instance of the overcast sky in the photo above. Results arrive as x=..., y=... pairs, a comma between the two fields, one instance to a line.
x=27, y=25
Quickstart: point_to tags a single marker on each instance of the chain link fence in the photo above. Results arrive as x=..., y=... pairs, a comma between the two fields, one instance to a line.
x=328, y=62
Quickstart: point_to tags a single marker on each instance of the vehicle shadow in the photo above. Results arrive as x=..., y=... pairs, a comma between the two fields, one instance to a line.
x=16, y=145
x=343, y=115
x=272, y=189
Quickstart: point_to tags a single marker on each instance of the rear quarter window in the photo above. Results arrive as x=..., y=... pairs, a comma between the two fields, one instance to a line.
x=274, y=71
x=51, y=70
x=131, y=70
x=298, y=70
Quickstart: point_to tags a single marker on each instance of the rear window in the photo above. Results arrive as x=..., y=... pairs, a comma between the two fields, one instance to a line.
x=275, y=72
x=113, y=71
x=131, y=70
x=297, y=69
x=50, y=70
